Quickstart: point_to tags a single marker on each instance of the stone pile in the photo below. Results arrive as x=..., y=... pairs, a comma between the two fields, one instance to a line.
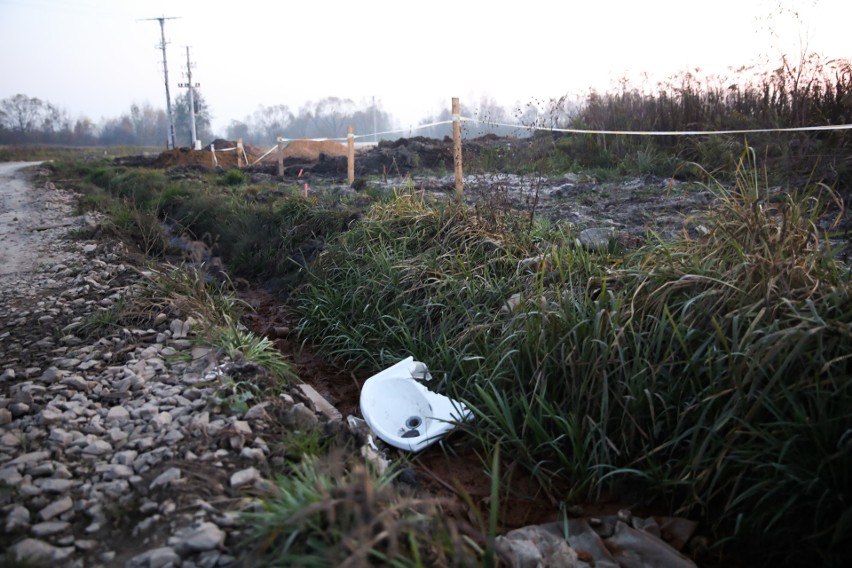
x=113, y=451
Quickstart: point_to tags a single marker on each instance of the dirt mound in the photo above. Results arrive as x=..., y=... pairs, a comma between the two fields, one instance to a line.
x=311, y=149
x=226, y=157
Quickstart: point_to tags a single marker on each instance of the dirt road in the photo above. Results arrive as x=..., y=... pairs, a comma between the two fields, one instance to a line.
x=29, y=216
x=109, y=450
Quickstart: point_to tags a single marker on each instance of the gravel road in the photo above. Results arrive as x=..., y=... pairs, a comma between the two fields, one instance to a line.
x=113, y=451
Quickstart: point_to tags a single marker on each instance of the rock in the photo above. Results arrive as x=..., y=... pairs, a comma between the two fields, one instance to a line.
x=56, y=508
x=51, y=375
x=76, y=382
x=49, y=528
x=257, y=412
x=5, y=416
x=168, y=477
x=631, y=547
x=244, y=477
x=207, y=536
x=320, y=404
x=117, y=414
x=596, y=239
x=300, y=416
x=533, y=546
x=180, y=329
x=55, y=485
x=39, y=553
x=98, y=448
x=10, y=476
x=164, y=556
x=253, y=454
x=17, y=519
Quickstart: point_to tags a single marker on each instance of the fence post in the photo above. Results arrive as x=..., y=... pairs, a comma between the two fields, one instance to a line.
x=280, y=156
x=350, y=162
x=239, y=151
x=457, y=148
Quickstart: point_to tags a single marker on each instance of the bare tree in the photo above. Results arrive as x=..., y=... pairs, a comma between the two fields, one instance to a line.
x=21, y=113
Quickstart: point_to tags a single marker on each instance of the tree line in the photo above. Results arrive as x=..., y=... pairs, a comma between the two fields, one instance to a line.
x=30, y=120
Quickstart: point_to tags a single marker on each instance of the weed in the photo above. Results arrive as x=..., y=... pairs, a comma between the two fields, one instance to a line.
x=332, y=513
x=233, y=178
x=240, y=344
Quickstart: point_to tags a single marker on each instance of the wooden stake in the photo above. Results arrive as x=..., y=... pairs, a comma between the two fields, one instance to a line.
x=350, y=162
x=280, y=157
x=239, y=152
x=457, y=148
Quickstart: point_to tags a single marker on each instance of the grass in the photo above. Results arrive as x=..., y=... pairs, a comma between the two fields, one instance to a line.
x=711, y=373
x=708, y=374
x=240, y=344
x=326, y=512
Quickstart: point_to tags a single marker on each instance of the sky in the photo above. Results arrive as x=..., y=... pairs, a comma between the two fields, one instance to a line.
x=95, y=58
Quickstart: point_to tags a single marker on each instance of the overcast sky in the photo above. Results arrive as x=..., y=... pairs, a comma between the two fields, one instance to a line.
x=94, y=58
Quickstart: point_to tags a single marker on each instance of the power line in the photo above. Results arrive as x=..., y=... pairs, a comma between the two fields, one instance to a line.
x=162, y=20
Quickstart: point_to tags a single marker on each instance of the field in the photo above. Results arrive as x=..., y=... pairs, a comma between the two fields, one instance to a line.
x=642, y=326
x=694, y=362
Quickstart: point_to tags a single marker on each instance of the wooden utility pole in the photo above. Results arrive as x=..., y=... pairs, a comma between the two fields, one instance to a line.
x=457, y=147
x=280, y=156
x=350, y=154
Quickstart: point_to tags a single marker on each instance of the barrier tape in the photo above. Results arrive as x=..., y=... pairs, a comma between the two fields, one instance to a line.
x=459, y=118
x=667, y=132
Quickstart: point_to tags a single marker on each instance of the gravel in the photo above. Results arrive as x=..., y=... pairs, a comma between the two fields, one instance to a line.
x=110, y=439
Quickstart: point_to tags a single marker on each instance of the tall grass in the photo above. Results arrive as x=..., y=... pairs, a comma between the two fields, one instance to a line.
x=710, y=374
x=329, y=513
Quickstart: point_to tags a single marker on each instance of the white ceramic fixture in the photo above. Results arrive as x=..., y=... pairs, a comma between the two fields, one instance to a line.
x=403, y=412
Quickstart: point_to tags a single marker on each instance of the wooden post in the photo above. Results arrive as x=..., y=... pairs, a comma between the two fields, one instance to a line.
x=239, y=152
x=457, y=148
x=350, y=162
x=280, y=157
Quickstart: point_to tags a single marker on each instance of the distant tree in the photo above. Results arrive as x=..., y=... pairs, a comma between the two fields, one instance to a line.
x=371, y=119
x=150, y=125
x=268, y=123
x=237, y=129
x=183, y=130
x=118, y=131
x=329, y=116
x=55, y=124
x=22, y=114
x=84, y=132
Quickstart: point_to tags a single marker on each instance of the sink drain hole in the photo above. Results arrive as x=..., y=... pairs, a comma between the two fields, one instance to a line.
x=413, y=422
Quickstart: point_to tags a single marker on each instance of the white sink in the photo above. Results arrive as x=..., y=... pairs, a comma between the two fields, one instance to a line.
x=403, y=412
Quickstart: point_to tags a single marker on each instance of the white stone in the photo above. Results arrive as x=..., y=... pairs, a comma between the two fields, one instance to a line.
x=244, y=477
x=51, y=485
x=17, y=518
x=98, y=448
x=56, y=508
x=49, y=528
x=117, y=414
x=207, y=536
x=168, y=477
x=38, y=552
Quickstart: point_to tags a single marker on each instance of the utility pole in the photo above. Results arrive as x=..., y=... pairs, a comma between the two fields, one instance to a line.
x=189, y=85
x=162, y=20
